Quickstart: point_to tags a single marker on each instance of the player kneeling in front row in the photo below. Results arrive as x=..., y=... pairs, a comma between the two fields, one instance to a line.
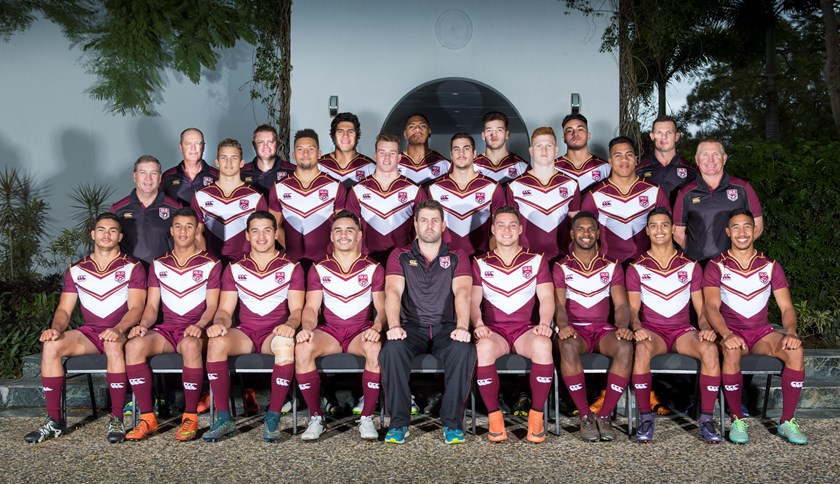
x=585, y=281
x=271, y=292
x=111, y=287
x=660, y=285
x=344, y=288
x=737, y=286
x=506, y=281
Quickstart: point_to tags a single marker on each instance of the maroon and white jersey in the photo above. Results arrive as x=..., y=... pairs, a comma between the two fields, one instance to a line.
x=263, y=293
x=545, y=210
x=307, y=214
x=183, y=288
x=509, y=291
x=587, y=288
x=347, y=296
x=623, y=217
x=744, y=291
x=225, y=218
x=430, y=168
x=386, y=212
x=509, y=168
x=594, y=170
x=357, y=170
x=103, y=293
x=665, y=291
x=467, y=212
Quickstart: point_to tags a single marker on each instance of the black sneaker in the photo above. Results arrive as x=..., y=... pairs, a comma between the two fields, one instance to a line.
x=522, y=405
x=503, y=407
x=51, y=428
x=433, y=403
x=116, y=431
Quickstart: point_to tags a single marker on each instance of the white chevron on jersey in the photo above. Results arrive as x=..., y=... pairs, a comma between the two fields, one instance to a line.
x=386, y=211
x=465, y=211
x=422, y=173
x=669, y=292
x=226, y=218
x=511, y=288
x=625, y=217
x=182, y=289
x=543, y=207
x=745, y=292
x=346, y=295
x=262, y=292
x=307, y=210
x=102, y=294
x=588, y=288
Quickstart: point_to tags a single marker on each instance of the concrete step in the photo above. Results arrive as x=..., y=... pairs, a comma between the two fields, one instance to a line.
x=31, y=365
x=821, y=392
x=822, y=363
x=28, y=392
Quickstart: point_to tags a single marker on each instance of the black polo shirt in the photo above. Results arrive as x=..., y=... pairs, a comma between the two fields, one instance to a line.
x=428, y=297
x=178, y=186
x=145, y=229
x=705, y=214
x=263, y=181
x=670, y=178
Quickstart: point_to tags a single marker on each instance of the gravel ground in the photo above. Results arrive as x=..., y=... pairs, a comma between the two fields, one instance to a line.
x=677, y=455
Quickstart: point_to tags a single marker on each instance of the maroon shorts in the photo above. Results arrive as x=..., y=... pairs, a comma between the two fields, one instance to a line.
x=751, y=336
x=669, y=334
x=257, y=334
x=173, y=334
x=592, y=333
x=92, y=334
x=511, y=332
x=344, y=334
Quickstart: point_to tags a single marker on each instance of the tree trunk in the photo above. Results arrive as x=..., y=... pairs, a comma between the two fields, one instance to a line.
x=832, y=59
x=772, y=124
x=661, y=84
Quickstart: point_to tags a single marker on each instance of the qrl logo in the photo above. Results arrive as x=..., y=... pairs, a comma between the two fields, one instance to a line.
x=544, y=379
x=484, y=382
x=137, y=381
x=644, y=201
x=444, y=262
x=208, y=180
x=616, y=388
x=605, y=277
x=564, y=192
x=402, y=197
x=596, y=175
x=212, y=376
x=527, y=272
x=117, y=385
x=576, y=387
x=198, y=275
x=373, y=385
x=436, y=171
x=732, y=194
x=797, y=384
x=480, y=197
x=763, y=277
x=190, y=386
x=282, y=382
x=682, y=172
x=360, y=174
x=119, y=276
x=512, y=172
x=244, y=204
x=712, y=388
x=731, y=388
x=682, y=276
x=163, y=213
x=363, y=280
x=323, y=194
x=279, y=277
x=640, y=386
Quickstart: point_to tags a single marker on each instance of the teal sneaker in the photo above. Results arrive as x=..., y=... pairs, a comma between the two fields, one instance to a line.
x=128, y=409
x=453, y=436
x=738, y=431
x=271, y=427
x=790, y=431
x=396, y=435
x=220, y=429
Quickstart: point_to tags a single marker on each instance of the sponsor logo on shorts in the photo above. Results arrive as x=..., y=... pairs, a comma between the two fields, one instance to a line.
x=644, y=201
x=596, y=175
x=118, y=385
x=304, y=386
x=136, y=381
x=616, y=388
x=484, y=381
x=682, y=172
x=445, y=262
x=731, y=388
x=713, y=388
x=163, y=213
x=564, y=192
x=576, y=387
x=373, y=385
x=244, y=204
x=402, y=197
x=282, y=382
x=190, y=386
x=323, y=194
x=797, y=384
x=640, y=386
x=212, y=376
x=480, y=197
x=198, y=274
x=544, y=379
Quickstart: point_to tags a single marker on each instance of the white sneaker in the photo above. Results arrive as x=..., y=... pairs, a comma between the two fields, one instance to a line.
x=367, y=429
x=314, y=429
x=287, y=407
x=414, y=408
x=357, y=410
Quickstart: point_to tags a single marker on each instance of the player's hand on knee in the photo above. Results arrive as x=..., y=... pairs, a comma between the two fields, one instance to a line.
x=216, y=330
x=137, y=332
x=641, y=334
x=625, y=334
x=482, y=332
x=394, y=334
x=193, y=330
x=461, y=335
x=111, y=334
x=566, y=332
x=285, y=331
x=791, y=342
x=49, y=335
x=371, y=335
x=707, y=335
x=732, y=341
x=543, y=330
x=303, y=336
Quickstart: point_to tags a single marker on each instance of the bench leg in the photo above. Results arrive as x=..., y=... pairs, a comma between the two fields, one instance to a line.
x=134, y=411
x=722, y=400
x=629, y=410
x=90, y=391
x=556, y=403
x=766, y=397
x=294, y=411
x=472, y=408
x=64, y=400
x=212, y=408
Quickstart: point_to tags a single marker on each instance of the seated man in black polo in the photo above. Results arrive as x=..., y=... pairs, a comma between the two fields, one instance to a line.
x=427, y=305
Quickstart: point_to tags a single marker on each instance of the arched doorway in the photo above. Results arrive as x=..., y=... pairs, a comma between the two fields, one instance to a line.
x=453, y=105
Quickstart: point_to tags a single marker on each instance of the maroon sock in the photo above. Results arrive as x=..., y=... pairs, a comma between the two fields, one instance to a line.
x=792, y=381
x=370, y=389
x=192, y=378
x=53, y=386
x=709, y=387
x=140, y=379
x=117, y=383
x=577, y=390
x=488, y=386
x=310, y=387
x=541, y=378
x=615, y=388
x=732, y=390
x=281, y=381
x=219, y=376
x=642, y=383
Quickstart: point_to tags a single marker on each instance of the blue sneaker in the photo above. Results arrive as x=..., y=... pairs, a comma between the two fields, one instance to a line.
x=790, y=431
x=221, y=428
x=708, y=432
x=453, y=436
x=396, y=435
x=645, y=432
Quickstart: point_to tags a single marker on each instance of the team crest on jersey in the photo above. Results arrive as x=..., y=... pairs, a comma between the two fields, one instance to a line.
x=732, y=194
x=479, y=197
x=279, y=277
x=402, y=197
x=682, y=172
x=119, y=276
x=363, y=280
x=644, y=201
x=208, y=180
x=323, y=194
x=596, y=175
x=527, y=271
x=198, y=274
x=564, y=192
x=281, y=175
x=605, y=277
x=444, y=261
x=436, y=170
x=163, y=213
x=682, y=276
x=763, y=277
x=360, y=174
x=244, y=204
x=511, y=171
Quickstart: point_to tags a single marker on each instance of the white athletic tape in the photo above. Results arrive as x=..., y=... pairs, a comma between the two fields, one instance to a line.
x=283, y=349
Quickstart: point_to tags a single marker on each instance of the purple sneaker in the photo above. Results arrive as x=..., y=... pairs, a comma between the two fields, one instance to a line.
x=645, y=432
x=708, y=432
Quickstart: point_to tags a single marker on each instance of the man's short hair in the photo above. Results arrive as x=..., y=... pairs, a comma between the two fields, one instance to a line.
x=191, y=129
x=712, y=139
x=386, y=138
x=229, y=143
x=146, y=159
x=741, y=211
x=462, y=135
x=265, y=128
x=261, y=215
x=429, y=204
x=348, y=214
x=185, y=212
x=586, y=214
x=107, y=216
x=661, y=211
x=543, y=131
x=421, y=115
x=346, y=118
x=573, y=116
x=665, y=119
x=507, y=209
x=307, y=133
x=621, y=140
x=495, y=116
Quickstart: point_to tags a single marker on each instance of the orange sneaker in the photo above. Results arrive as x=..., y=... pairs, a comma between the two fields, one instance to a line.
x=536, y=429
x=204, y=403
x=658, y=406
x=599, y=402
x=147, y=426
x=251, y=405
x=497, y=431
x=188, y=428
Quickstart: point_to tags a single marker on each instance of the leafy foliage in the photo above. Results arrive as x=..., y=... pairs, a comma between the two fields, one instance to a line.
x=23, y=219
x=91, y=200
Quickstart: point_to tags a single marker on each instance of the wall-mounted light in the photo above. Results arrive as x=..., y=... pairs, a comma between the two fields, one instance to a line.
x=575, y=103
x=333, y=105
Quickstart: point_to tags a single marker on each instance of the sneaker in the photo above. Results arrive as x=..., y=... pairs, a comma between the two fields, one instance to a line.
x=453, y=436
x=357, y=409
x=644, y=434
x=330, y=406
x=536, y=429
x=396, y=435
x=605, y=428
x=251, y=404
x=589, y=429
x=188, y=428
x=128, y=409
x=433, y=404
x=116, y=431
x=738, y=431
x=414, y=408
x=790, y=431
x=367, y=429
x=658, y=406
x=708, y=432
x=271, y=427
x=287, y=407
x=568, y=408
x=143, y=429
x=314, y=429
x=522, y=405
x=595, y=408
x=220, y=429
x=51, y=428
x=204, y=403
x=504, y=407
x=497, y=432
